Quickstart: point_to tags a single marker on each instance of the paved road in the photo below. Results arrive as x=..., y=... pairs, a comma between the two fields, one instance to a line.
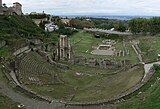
x=108, y=31
x=147, y=67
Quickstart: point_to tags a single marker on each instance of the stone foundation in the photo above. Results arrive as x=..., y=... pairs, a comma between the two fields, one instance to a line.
x=102, y=63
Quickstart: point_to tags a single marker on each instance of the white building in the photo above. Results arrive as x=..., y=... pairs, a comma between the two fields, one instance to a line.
x=51, y=27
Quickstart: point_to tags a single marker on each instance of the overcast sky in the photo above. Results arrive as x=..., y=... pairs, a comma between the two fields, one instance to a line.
x=86, y=7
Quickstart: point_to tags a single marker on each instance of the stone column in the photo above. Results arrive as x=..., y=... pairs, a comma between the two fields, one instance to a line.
x=69, y=54
x=64, y=55
x=63, y=41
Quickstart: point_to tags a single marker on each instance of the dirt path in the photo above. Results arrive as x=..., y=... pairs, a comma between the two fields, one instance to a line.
x=147, y=67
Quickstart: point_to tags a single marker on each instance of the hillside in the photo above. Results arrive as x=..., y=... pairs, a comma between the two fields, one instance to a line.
x=13, y=27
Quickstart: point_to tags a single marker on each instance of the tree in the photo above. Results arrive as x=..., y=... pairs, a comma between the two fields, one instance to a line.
x=4, y=5
x=143, y=25
x=81, y=23
x=154, y=25
x=138, y=25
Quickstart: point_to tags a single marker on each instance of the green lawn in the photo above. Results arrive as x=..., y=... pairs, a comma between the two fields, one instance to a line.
x=83, y=42
x=150, y=46
x=82, y=46
x=132, y=56
x=5, y=51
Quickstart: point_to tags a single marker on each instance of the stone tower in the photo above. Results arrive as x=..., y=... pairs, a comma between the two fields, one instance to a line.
x=17, y=7
x=1, y=11
x=0, y=3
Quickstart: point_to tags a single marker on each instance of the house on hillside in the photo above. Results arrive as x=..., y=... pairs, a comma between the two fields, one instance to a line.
x=51, y=27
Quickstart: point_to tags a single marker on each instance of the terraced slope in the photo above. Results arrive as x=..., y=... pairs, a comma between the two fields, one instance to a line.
x=34, y=69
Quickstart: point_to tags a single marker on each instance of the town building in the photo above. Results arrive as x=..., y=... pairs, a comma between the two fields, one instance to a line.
x=35, y=13
x=16, y=9
x=51, y=27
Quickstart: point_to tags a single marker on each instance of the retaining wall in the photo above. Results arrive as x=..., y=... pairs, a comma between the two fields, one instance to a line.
x=21, y=50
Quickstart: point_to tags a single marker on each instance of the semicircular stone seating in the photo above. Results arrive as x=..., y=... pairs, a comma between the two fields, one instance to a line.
x=34, y=69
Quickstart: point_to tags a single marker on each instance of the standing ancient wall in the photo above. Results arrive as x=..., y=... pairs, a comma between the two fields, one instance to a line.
x=64, y=48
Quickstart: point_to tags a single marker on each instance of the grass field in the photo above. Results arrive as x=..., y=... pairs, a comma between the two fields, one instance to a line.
x=149, y=99
x=82, y=43
x=5, y=51
x=150, y=46
x=86, y=88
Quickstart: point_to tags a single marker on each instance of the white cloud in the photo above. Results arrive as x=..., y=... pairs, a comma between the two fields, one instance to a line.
x=115, y=7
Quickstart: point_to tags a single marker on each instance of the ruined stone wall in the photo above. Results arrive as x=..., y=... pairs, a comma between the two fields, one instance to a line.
x=38, y=21
x=102, y=63
x=2, y=43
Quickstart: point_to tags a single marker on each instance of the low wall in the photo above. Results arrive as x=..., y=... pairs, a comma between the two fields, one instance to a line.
x=21, y=50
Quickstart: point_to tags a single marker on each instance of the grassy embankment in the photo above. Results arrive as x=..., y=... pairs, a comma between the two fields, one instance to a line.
x=150, y=47
x=147, y=99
